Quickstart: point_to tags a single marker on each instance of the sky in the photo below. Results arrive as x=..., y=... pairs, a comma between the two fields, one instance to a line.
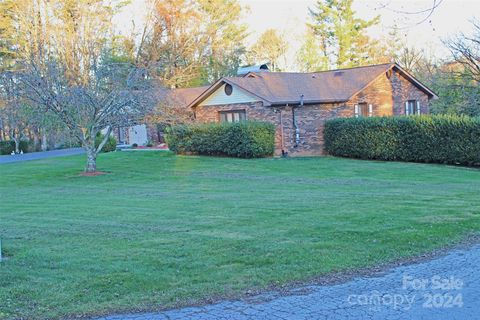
x=290, y=17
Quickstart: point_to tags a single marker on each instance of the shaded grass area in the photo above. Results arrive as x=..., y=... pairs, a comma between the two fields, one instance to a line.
x=162, y=230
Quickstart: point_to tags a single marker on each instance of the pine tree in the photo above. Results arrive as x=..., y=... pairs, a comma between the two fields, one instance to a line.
x=340, y=34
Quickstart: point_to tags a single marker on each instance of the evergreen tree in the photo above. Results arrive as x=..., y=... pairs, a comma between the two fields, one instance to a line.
x=342, y=36
x=309, y=57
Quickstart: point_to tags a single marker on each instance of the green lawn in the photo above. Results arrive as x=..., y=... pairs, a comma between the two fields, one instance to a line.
x=163, y=230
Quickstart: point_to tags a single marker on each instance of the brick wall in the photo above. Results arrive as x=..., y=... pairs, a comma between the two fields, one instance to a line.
x=404, y=90
x=387, y=95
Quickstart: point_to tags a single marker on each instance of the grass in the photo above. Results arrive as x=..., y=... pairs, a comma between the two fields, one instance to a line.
x=162, y=230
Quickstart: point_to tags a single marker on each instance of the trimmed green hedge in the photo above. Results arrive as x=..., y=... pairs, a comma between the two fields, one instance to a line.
x=245, y=139
x=438, y=139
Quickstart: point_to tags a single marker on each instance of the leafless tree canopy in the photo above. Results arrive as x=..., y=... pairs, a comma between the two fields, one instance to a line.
x=417, y=17
x=116, y=95
x=12, y=111
x=466, y=50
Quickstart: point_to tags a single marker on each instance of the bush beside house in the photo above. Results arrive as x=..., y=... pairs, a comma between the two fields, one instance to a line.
x=110, y=145
x=438, y=139
x=241, y=139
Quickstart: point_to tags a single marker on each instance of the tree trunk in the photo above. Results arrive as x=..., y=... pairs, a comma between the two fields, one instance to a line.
x=91, y=159
x=44, y=140
x=17, y=145
x=92, y=150
x=36, y=140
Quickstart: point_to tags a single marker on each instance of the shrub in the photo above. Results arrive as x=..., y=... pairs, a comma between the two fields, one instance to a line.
x=439, y=139
x=111, y=144
x=246, y=139
x=6, y=147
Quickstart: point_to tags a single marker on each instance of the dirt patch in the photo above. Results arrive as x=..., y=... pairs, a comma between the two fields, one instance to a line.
x=93, y=174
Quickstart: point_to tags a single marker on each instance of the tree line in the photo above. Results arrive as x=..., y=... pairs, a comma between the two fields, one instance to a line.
x=67, y=73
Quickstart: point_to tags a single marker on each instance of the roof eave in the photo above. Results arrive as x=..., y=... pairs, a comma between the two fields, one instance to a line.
x=419, y=84
x=204, y=94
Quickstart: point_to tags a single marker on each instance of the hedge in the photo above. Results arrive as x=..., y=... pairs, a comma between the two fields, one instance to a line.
x=437, y=139
x=245, y=139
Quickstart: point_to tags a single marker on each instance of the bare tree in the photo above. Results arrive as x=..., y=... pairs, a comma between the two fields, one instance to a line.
x=466, y=51
x=414, y=16
x=270, y=47
x=116, y=95
x=12, y=115
x=410, y=58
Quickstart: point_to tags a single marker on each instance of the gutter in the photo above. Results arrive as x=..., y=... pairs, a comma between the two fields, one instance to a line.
x=305, y=102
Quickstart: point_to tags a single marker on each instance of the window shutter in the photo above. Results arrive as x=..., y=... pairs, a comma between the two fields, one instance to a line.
x=356, y=111
x=418, y=107
x=370, y=110
x=407, y=112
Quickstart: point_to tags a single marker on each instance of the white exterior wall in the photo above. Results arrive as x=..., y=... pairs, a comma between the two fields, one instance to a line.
x=138, y=134
x=219, y=97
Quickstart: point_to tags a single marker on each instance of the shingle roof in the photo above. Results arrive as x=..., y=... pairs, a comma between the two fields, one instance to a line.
x=327, y=86
x=340, y=85
x=185, y=96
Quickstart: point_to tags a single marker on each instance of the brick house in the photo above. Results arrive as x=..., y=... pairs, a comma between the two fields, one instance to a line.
x=299, y=103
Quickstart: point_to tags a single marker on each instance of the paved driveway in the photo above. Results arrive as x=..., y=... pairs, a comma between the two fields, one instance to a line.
x=40, y=155
x=444, y=288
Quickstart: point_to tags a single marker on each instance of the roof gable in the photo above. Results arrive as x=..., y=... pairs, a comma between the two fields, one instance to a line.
x=238, y=95
x=214, y=87
x=415, y=81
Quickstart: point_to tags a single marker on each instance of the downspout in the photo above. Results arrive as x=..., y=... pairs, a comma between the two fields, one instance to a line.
x=282, y=139
x=297, y=130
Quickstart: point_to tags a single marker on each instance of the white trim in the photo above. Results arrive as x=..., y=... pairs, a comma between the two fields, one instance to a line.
x=407, y=112
x=356, y=110
x=418, y=108
x=370, y=110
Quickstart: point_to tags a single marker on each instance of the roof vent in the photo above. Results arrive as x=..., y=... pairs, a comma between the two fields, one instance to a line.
x=338, y=73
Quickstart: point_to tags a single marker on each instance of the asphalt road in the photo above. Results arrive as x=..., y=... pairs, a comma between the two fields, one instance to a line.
x=40, y=155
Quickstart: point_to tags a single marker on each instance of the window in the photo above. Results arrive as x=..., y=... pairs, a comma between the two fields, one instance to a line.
x=233, y=116
x=228, y=89
x=363, y=110
x=412, y=107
